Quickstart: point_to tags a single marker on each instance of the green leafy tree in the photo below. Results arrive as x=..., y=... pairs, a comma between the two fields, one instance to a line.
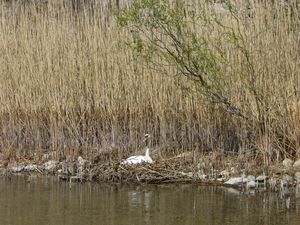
x=178, y=35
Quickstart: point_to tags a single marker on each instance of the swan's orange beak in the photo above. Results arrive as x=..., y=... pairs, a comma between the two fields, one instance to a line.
x=146, y=138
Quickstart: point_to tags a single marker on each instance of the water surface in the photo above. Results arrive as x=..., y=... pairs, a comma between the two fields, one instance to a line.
x=48, y=201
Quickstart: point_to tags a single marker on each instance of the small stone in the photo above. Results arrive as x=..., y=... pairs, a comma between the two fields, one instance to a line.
x=188, y=174
x=297, y=164
x=50, y=165
x=16, y=169
x=251, y=184
x=235, y=181
x=202, y=176
x=30, y=168
x=224, y=174
x=287, y=163
x=221, y=179
x=261, y=178
x=250, y=178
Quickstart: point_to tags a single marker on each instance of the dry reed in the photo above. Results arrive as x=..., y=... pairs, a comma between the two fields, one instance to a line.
x=69, y=84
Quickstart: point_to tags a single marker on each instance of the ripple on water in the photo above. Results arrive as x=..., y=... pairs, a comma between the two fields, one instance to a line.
x=47, y=201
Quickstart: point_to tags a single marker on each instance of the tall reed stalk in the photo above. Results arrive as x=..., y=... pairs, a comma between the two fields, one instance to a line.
x=69, y=84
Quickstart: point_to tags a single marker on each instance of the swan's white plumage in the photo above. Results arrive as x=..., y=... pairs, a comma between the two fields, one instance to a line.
x=138, y=159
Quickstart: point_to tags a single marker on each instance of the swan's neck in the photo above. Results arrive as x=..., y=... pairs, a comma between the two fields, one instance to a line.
x=147, y=149
x=147, y=152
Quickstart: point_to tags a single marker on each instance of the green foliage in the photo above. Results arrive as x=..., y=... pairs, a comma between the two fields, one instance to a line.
x=179, y=35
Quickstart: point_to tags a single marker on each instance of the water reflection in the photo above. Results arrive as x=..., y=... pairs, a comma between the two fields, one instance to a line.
x=47, y=201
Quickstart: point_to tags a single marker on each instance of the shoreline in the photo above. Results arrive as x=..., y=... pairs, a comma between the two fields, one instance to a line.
x=278, y=177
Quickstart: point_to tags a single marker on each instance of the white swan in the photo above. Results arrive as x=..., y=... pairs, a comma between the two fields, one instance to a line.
x=137, y=159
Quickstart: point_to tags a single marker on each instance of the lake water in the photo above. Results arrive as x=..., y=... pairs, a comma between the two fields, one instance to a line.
x=46, y=201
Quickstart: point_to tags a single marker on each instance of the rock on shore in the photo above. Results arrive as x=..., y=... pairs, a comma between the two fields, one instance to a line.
x=296, y=165
x=51, y=165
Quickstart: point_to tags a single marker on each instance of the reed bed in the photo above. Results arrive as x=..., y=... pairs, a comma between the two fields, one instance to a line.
x=70, y=85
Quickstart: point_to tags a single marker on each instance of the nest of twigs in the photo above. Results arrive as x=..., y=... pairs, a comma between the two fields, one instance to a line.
x=166, y=171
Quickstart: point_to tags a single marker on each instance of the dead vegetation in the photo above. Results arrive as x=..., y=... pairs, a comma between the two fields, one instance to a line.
x=70, y=86
x=162, y=172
